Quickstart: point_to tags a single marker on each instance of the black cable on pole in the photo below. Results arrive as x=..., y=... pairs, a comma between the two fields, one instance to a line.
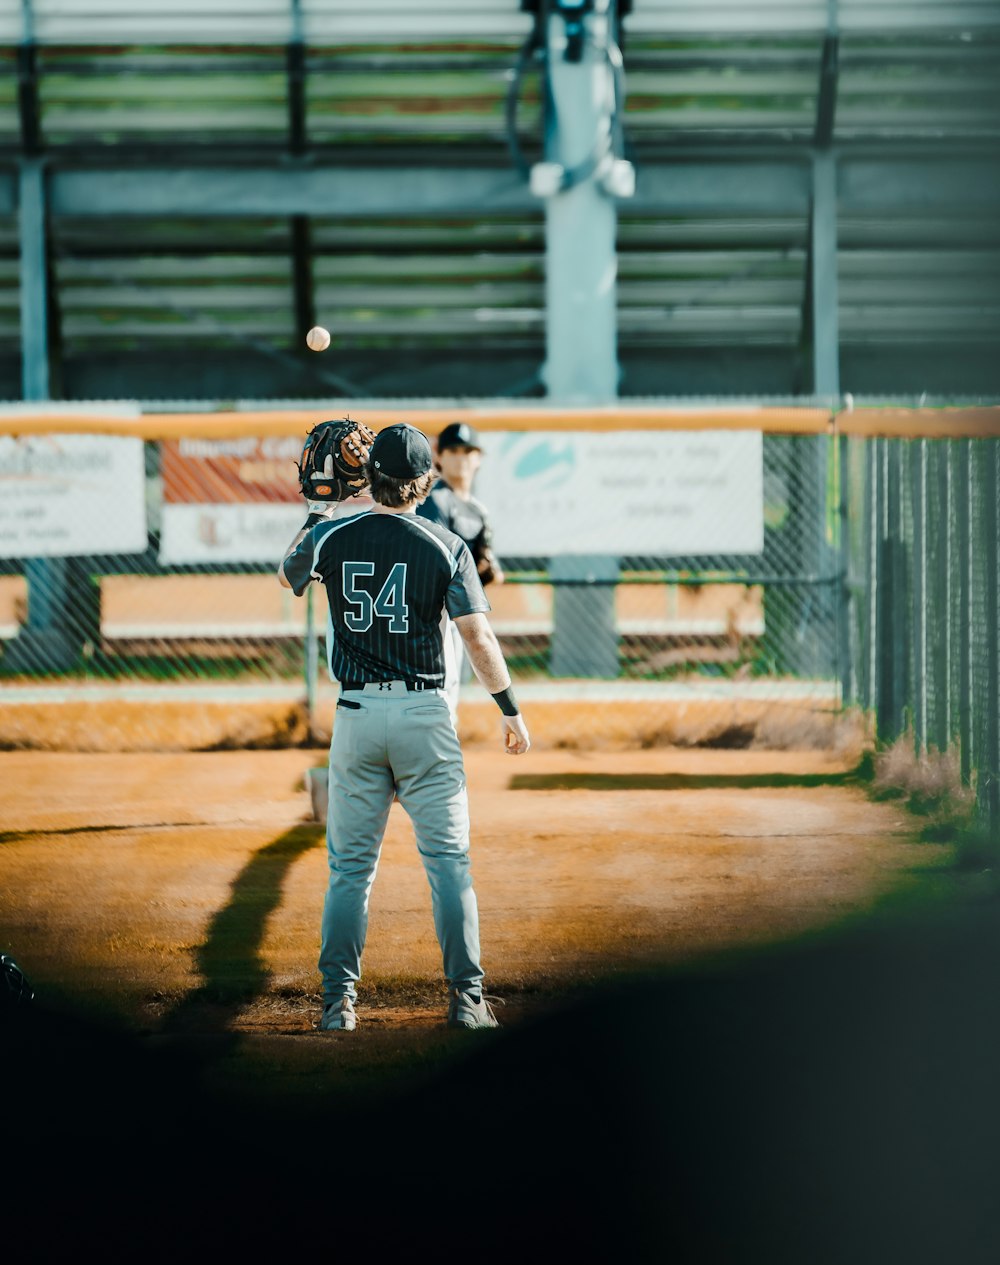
x=583, y=171
x=535, y=48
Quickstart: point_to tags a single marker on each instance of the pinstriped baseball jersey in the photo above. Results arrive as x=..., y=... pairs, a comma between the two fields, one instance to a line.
x=466, y=518
x=389, y=578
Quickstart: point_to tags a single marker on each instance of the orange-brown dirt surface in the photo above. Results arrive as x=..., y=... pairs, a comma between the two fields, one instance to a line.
x=181, y=892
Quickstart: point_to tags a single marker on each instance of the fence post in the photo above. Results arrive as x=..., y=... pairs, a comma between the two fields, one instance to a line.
x=883, y=604
x=963, y=525
x=989, y=767
x=893, y=660
x=845, y=647
x=872, y=577
x=900, y=644
x=944, y=596
x=919, y=484
x=584, y=637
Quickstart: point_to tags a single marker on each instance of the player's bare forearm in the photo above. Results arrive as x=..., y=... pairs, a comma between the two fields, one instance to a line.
x=490, y=667
x=484, y=652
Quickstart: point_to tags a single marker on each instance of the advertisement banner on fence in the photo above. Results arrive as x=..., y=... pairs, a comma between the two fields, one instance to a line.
x=63, y=496
x=629, y=492
x=650, y=493
x=229, y=500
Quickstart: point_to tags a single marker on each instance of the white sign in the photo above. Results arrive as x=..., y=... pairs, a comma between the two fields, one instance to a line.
x=656, y=493
x=255, y=531
x=66, y=495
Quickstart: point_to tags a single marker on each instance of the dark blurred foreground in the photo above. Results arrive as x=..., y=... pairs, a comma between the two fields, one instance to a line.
x=833, y=1103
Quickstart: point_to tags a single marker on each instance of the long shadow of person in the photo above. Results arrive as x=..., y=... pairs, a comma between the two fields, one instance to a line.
x=233, y=972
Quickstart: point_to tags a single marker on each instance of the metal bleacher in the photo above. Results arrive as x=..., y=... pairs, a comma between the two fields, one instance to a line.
x=712, y=281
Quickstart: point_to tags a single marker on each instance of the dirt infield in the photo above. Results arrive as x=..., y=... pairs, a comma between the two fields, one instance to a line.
x=182, y=892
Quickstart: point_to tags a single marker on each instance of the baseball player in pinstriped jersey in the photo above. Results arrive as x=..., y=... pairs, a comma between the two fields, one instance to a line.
x=451, y=503
x=390, y=578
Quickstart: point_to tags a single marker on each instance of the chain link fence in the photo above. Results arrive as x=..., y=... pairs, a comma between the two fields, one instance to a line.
x=921, y=571
x=634, y=617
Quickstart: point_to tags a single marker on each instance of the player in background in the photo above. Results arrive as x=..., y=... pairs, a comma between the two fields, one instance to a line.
x=451, y=503
x=390, y=577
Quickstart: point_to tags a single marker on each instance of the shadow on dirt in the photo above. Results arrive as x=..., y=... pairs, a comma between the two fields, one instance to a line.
x=672, y=781
x=229, y=961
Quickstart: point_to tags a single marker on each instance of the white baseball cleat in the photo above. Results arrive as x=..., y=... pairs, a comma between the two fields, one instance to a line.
x=470, y=1009
x=339, y=1016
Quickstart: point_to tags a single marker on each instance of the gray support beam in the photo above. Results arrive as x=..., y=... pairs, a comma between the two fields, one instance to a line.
x=821, y=336
x=824, y=316
x=891, y=183
x=282, y=190
x=34, y=292
x=27, y=86
x=295, y=78
x=581, y=318
x=780, y=187
x=302, y=279
x=823, y=265
x=826, y=107
x=696, y=185
x=824, y=325
x=689, y=186
x=59, y=593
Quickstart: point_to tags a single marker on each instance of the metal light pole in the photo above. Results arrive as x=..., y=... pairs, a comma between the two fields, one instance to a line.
x=583, y=172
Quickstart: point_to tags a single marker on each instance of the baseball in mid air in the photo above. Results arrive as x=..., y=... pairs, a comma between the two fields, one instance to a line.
x=318, y=338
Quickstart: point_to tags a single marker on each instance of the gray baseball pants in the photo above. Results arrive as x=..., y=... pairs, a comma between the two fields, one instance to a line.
x=396, y=743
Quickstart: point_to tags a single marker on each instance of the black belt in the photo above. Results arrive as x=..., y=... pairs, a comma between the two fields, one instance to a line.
x=412, y=686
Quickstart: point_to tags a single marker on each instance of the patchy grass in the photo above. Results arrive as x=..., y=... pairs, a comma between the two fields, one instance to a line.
x=930, y=782
x=930, y=786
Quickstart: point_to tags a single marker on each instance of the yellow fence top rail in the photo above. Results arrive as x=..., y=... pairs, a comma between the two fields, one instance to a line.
x=978, y=422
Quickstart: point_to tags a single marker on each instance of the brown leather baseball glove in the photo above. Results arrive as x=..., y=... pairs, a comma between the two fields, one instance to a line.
x=333, y=456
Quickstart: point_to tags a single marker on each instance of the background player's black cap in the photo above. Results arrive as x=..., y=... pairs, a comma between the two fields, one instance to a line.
x=402, y=452
x=459, y=435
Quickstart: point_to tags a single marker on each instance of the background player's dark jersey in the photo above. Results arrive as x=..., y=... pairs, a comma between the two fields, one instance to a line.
x=465, y=518
x=388, y=579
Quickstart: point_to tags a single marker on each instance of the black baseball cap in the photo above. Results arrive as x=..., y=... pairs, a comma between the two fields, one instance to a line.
x=459, y=435
x=401, y=451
